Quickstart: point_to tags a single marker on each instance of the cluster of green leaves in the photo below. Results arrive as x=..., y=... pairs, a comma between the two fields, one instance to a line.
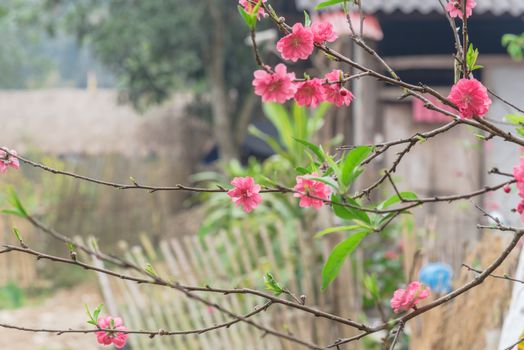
x=272, y=285
x=471, y=58
x=17, y=208
x=290, y=156
x=153, y=47
x=340, y=175
x=93, y=317
x=515, y=45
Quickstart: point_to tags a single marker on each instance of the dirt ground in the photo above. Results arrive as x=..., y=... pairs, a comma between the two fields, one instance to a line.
x=63, y=310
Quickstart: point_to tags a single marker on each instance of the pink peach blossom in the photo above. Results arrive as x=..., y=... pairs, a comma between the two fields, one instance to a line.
x=249, y=5
x=108, y=338
x=454, y=8
x=471, y=97
x=8, y=160
x=310, y=93
x=245, y=193
x=322, y=32
x=275, y=87
x=520, y=209
x=298, y=45
x=405, y=299
x=335, y=93
x=312, y=193
x=518, y=173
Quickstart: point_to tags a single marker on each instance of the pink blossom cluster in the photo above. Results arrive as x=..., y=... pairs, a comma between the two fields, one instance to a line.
x=8, y=160
x=108, y=338
x=406, y=299
x=471, y=97
x=518, y=173
x=312, y=193
x=299, y=44
x=454, y=8
x=280, y=86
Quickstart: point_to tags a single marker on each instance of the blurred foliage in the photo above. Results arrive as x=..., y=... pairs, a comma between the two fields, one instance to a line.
x=291, y=124
x=383, y=265
x=33, y=56
x=11, y=296
x=515, y=45
x=21, y=67
x=153, y=47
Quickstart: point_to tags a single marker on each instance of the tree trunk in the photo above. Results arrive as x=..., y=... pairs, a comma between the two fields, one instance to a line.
x=219, y=98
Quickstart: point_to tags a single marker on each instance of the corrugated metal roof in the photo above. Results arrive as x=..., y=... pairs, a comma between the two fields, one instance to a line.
x=496, y=7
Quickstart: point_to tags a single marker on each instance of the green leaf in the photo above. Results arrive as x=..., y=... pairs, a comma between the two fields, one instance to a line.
x=337, y=229
x=97, y=311
x=14, y=200
x=279, y=117
x=314, y=148
x=254, y=12
x=338, y=256
x=272, y=285
x=94, y=244
x=471, y=58
x=326, y=180
x=307, y=19
x=270, y=140
x=12, y=212
x=328, y=3
x=518, y=120
x=396, y=199
x=302, y=171
x=349, y=213
x=371, y=286
x=508, y=38
x=150, y=270
x=17, y=234
x=251, y=20
x=333, y=165
x=93, y=318
x=70, y=247
x=88, y=313
x=350, y=164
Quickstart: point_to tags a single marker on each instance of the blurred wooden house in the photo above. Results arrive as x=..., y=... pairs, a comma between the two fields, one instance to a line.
x=416, y=40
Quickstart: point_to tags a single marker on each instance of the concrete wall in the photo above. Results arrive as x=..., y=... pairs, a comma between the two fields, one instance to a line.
x=75, y=121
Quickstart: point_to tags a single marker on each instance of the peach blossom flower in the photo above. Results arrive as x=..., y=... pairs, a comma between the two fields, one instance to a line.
x=405, y=299
x=275, y=87
x=108, y=338
x=471, y=97
x=310, y=93
x=322, y=32
x=454, y=8
x=298, y=45
x=8, y=160
x=335, y=93
x=312, y=193
x=245, y=193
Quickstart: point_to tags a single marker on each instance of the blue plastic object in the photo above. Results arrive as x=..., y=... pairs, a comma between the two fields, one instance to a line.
x=437, y=276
